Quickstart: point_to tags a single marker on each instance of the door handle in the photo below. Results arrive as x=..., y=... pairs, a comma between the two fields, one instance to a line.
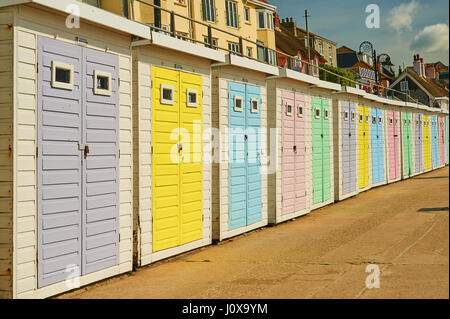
x=180, y=147
x=86, y=151
x=246, y=136
x=295, y=148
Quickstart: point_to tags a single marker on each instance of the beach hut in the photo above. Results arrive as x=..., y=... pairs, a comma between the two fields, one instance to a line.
x=239, y=115
x=172, y=172
x=289, y=137
x=346, y=143
x=66, y=171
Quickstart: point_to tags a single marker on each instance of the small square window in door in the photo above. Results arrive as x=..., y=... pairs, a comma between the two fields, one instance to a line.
x=192, y=98
x=62, y=75
x=300, y=111
x=102, y=83
x=254, y=106
x=317, y=113
x=238, y=104
x=167, y=94
x=288, y=109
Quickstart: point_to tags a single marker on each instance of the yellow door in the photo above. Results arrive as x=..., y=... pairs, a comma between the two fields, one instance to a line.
x=191, y=217
x=176, y=179
x=363, y=147
x=426, y=142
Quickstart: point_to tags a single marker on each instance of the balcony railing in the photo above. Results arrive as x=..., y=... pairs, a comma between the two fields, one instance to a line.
x=266, y=55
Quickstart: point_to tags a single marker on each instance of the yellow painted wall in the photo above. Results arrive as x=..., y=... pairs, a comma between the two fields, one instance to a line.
x=193, y=8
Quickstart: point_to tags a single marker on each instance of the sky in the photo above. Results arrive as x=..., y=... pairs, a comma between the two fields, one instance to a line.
x=406, y=27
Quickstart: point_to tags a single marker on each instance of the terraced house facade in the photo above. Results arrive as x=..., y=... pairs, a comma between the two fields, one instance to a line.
x=247, y=26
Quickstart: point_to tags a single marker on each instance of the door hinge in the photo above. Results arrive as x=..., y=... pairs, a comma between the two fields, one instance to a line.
x=37, y=151
x=37, y=257
x=119, y=238
x=37, y=68
x=119, y=153
x=151, y=151
x=151, y=84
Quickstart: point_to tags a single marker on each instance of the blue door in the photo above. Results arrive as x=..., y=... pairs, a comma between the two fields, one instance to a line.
x=377, y=146
x=244, y=155
x=434, y=141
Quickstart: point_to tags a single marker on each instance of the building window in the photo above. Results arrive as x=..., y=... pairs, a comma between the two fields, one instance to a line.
x=296, y=63
x=272, y=57
x=265, y=19
x=315, y=68
x=234, y=48
x=247, y=14
x=321, y=48
x=249, y=52
x=232, y=14
x=209, y=10
x=207, y=44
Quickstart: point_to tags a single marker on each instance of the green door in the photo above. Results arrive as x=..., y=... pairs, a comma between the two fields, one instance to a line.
x=321, y=150
x=407, y=144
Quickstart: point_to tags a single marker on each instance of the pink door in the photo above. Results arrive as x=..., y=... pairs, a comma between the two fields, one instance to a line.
x=300, y=153
x=288, y=154
x=393, y=140
x=294, y=151
x=442, y=146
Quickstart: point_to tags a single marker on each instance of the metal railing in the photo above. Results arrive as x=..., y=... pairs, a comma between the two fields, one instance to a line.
x=269, y=56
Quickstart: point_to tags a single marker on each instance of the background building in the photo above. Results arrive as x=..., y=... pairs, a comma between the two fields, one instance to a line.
x=251, y=20
x=421, y=82
x=324, y=46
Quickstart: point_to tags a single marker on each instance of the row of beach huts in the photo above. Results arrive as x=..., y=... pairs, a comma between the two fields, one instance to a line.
x=120, y=146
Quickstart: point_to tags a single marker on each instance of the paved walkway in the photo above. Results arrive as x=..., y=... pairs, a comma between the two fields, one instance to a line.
x=403, y=228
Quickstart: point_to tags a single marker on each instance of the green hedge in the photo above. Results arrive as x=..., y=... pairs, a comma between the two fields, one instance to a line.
x=333, y=78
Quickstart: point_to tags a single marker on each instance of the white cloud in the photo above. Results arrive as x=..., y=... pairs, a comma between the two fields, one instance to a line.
x=402, y=16
x=433, y=38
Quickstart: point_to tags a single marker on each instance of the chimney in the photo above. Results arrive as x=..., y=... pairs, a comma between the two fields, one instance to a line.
x=399, y=69
x=422, y=66
x=290, y=24
x=418, y=65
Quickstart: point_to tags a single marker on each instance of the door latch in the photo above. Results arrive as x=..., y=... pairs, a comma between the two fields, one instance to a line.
x=180, y=147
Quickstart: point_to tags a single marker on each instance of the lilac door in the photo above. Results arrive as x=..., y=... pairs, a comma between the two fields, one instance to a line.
x=77, y=137
x=59, y=162
x=101, y=166
x=442, y=146
x=294, y=151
